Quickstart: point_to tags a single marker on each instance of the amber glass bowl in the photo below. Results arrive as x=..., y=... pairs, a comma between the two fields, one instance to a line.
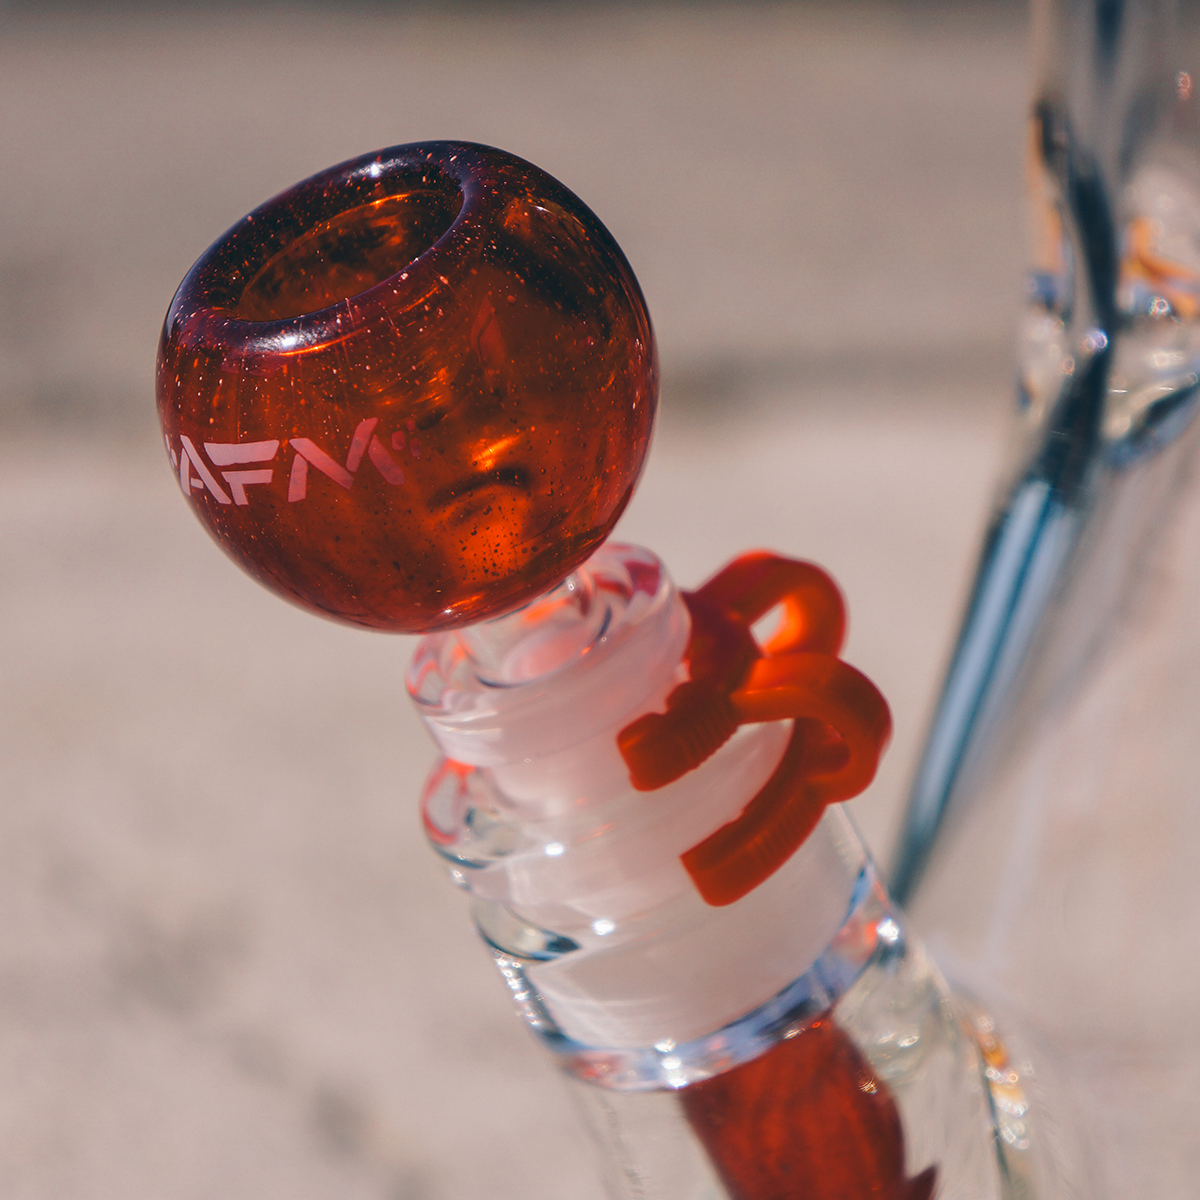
x=413, y=391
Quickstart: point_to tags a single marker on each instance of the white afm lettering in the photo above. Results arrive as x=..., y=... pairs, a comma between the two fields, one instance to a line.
x=195, y=473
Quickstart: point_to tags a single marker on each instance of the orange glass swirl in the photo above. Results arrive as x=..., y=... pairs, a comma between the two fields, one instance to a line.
x=413, y=391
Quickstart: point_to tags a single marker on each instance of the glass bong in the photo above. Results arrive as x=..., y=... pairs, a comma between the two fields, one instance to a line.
x=1050, y=844
x=415, y=393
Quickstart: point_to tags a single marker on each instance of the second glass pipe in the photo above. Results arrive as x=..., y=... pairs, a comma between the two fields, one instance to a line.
x=1050, y=844
x=414, y=393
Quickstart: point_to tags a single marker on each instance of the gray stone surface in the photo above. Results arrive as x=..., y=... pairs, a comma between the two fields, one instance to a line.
x=228, y=966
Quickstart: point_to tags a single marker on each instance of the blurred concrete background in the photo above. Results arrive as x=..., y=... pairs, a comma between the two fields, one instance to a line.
x=228, y=965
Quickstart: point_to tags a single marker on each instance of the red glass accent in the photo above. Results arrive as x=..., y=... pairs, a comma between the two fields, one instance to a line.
x=841, y=723
x=413, y=391
x=809, y=1118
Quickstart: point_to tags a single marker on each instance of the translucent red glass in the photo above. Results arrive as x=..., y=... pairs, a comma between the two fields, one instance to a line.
x=840, y=722
x=413, y=391
x=807, y=1119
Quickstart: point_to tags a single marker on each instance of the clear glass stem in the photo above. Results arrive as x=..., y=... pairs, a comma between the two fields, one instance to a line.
x=796, y=1038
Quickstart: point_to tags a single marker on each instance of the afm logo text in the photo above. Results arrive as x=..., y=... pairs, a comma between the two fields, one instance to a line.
x=196, y=474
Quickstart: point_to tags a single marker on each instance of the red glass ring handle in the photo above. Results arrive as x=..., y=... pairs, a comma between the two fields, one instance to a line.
x=814, y=617
x=841, y=723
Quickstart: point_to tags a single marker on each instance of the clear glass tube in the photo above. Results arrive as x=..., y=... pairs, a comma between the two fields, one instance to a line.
x=689, y=1031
